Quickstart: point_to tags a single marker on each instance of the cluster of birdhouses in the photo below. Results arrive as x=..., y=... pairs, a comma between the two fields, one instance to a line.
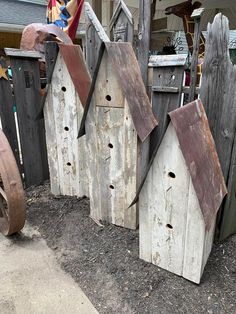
x=179, y=182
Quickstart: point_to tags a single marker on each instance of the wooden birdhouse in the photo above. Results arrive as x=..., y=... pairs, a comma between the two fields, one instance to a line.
x=63, y=111
x=180, y=198
x=118, y=120
x=122, y=24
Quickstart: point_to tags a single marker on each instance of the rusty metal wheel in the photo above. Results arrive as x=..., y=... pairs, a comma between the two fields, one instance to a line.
x=12, y=198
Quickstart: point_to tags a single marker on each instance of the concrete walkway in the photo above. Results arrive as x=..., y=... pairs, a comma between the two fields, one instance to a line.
x=31, y=282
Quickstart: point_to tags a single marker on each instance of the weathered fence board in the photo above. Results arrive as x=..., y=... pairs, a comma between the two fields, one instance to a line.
x=63, y=112
x=166, y=92
x=26, y=82
x=8, y=118
x=121, y=24
x=218, y=96
x=144, y=33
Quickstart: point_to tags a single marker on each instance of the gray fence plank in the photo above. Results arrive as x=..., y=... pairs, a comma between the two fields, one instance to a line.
x=218, y=97
x=26, y=83
x=7, y=117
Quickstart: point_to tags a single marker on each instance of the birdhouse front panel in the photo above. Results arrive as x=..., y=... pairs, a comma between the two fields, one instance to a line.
x=181, y=196
x=117, y=121
x=172, y=227
x=66, y=154
x=112, y=152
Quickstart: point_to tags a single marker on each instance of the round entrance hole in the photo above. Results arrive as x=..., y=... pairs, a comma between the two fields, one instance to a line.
x=63, y=88
x=108, y=97
x=66, y=128
x=111, y=187
x=110, y=145
x=169, y=226
x=171, y=175
x=68, y=164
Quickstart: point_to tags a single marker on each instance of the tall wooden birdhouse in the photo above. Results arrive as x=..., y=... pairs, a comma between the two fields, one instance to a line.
x=181, y=196
x=122, y=25
x=63, y=111
x=118, y=120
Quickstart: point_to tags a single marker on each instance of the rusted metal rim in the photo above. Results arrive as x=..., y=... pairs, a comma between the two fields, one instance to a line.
x=12, y=199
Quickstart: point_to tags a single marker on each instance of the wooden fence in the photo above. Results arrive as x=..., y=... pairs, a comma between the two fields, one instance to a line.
x=218, y=96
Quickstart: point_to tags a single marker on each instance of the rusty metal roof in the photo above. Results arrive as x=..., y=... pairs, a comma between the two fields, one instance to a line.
x=126, y=69
x=74, y=60
x=198, y=148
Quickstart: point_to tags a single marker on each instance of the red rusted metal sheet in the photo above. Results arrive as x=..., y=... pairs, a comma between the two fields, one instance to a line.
x=12, y=200
x=127, y=71
x=35, y=35
x=126, y=67
x=74, y=60
x=198, y=148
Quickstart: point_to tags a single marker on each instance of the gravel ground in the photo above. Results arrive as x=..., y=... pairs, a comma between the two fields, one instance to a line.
x=104, y=261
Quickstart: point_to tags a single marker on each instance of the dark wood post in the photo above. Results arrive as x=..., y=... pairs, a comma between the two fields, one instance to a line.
x=26, y=85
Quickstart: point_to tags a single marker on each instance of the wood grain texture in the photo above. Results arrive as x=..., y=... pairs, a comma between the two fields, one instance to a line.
x=12, y=52
x=218, y=97
x=8, y=118
x=169, y=78
x=112, y=152
x=26, y=83
x=67, y=155
x=144, y=37
x=194, y=62
x=172, y=228
x=121, y=57
x=95, y=36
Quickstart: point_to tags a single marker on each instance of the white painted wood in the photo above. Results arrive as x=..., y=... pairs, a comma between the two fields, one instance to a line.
x=67, y=115
x=112, y=152
x=194, y=238
x=172, y=228
x=108, y=92
x=131, y=175
x=51, y=142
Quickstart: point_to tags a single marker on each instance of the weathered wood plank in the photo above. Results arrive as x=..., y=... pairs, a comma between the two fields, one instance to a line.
x=218, y=96
x=144, y=37
x=69, y=159
x=197, y=35
x=166, y=96
x=51, y=142
x=170, y=215
x=12, y=52
x=8, y=118
x=167, y=60
x=26, y=82
x=133, y=163
x=95, y=35
x=228, y=223
x=112, y=152
x=165, y=89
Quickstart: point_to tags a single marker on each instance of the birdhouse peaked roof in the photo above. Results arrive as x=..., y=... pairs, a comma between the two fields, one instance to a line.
x=127, y=71
x=121, y=7
x=198, y=148
x=74, y=60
